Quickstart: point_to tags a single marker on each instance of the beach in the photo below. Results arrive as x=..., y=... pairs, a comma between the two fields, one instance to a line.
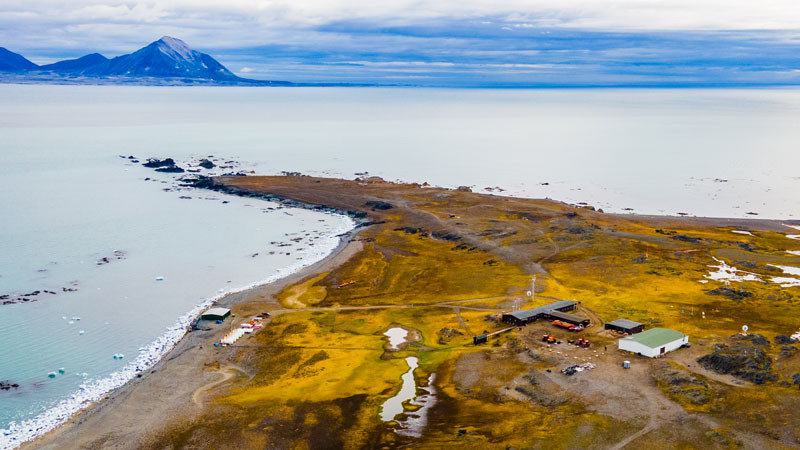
x=172, y=386
x=194, y=389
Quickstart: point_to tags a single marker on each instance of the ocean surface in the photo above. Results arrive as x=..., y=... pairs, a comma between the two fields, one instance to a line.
x=68, y=199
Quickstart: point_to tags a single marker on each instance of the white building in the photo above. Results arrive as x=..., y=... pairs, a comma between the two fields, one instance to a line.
x=653, y=342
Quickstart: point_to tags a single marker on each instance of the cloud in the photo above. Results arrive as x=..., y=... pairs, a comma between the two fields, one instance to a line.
x=465, y=42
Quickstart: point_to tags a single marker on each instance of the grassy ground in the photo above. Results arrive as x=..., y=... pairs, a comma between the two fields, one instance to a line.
x=440, y=263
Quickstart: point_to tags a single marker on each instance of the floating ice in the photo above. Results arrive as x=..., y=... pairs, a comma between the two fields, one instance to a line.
x=159, y=278
x=94, y=390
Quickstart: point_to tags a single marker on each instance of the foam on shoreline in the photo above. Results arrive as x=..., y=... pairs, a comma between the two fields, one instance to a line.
x=94, y=390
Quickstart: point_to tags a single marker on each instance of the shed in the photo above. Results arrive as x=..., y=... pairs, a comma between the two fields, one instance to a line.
x=568, y=318
x=625, y=326
x=653, y=342
x=216, y=314
x=479, y=339
x=526, y=316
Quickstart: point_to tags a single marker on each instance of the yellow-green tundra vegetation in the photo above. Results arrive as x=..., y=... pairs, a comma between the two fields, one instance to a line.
x=443, y=264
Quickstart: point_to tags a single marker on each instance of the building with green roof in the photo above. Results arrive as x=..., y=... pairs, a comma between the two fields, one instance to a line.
x=653, y=342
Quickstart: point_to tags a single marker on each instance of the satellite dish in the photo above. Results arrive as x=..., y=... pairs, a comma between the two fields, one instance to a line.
x=744, y=329
x=530, y=293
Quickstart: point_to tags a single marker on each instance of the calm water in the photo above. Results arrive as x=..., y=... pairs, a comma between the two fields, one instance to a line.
x=68, y=200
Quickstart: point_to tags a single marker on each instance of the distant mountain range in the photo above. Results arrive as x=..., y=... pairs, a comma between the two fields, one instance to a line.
x=165, y=61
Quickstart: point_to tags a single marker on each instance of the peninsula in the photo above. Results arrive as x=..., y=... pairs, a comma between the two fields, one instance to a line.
x=424, y=286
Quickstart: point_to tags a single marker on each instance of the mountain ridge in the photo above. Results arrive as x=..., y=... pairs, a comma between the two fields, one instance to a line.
x=168, y=60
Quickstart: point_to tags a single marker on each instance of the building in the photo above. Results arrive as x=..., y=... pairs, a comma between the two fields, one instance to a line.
x=568, y=318
x=625, y=326
x=216, y=314
x=526, y=316
x=653, y=342
x=479, y=339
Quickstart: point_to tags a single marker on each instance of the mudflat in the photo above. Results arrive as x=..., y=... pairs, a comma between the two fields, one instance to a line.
x=444, y=265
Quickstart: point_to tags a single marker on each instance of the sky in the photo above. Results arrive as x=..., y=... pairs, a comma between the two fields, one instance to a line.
x=469, y=43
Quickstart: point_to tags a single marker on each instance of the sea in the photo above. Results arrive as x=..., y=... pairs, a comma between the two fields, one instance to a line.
x=131, y=257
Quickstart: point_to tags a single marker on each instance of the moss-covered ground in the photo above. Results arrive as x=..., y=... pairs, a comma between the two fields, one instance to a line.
x=442, y=264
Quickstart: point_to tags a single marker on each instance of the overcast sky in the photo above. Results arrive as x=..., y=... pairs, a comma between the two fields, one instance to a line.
x=462, y=43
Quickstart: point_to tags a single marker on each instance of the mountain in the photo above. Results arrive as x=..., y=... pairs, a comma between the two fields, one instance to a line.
x=167, y=61
x=14, y=62
x=166, y=57
x=76, y=65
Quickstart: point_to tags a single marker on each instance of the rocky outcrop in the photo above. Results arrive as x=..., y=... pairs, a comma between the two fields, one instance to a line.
x=743, y=359
x=6, y=385
x=155, y=163
x=378, y=205
x=733, y=294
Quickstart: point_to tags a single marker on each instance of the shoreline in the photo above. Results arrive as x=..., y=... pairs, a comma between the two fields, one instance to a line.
x=147, y=363
x=176, y=371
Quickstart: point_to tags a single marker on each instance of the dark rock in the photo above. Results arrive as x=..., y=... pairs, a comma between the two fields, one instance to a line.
x=783, y=340
x=639, y=260
x=464, y=189
x=734, y=294
x=206, y=164
x=409, y=230
x=666, y=232
x=747, y=264
x=155, y=163
x=378, y=205
x=756, y=339
x=6, y=385
x=684, y=238
x=742, y=360
x=747, y=247
x=442, y=235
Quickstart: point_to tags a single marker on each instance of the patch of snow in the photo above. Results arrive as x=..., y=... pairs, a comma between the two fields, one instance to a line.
x=793, y=252
x=786, y=281
x=793, y=236
x=788, y=269
x=396, y=337
x=725, y=272
x=747, y=233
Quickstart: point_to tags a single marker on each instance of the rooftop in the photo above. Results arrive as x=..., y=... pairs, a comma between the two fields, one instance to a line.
x=217, y=312
x=655, y=337
x=624, y=323
x=526, y=313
